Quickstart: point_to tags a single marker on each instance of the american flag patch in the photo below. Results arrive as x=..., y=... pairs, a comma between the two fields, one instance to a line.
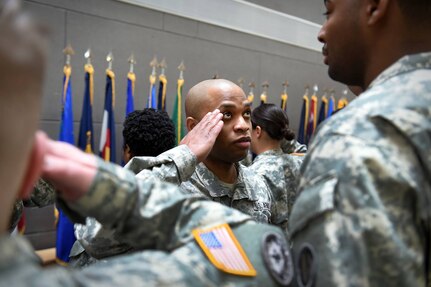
x=223, y=250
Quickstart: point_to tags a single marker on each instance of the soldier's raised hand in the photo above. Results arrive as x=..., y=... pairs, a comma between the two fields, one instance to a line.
x=202, y=137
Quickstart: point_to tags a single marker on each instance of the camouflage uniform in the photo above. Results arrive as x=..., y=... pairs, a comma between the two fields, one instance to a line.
x=363, y=216
x=43, y=195
x=280, y=171
x=148, y=214
x=250, y=195
x=293, y=146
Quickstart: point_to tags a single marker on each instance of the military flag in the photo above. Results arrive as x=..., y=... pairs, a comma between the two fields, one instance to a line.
x=264, y=94
x=107, y=135
x=284, y=96
x=303, y=121
x=65, y=232
x=342, y=103
x=312, y=118
x=177, y=113
x=331, y=104
x=161, y=104
x=152, y=100
x=131, y=79
x=86, y=138
x=323, y=108
x=250, y=96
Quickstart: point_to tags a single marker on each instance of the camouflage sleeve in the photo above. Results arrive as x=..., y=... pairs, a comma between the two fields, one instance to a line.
x=175, y=165
x=16, y=215
x=356, y=220
x=148, y=212
x=43, y=194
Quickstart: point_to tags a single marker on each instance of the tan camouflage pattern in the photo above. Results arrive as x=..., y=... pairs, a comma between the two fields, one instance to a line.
x=144, y=214
x=281, y=172
x=365, y=189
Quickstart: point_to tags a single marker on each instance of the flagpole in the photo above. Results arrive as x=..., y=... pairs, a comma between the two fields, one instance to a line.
x=250, y=96
x=284, y=96
x=152, y=94
x=131, y=79
x=162, y=88
x=264, y=95
x=177, y=110
x=65, y=233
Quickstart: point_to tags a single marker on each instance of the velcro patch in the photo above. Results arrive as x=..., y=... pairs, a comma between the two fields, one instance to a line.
x=223, y=250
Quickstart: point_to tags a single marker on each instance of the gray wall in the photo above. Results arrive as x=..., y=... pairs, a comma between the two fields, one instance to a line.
x=308, y=10
x=108, y=25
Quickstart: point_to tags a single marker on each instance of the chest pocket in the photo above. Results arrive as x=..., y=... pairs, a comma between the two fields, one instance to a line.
x=317, y=199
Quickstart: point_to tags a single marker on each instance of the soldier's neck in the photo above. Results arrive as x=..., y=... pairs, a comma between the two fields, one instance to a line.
x=224, y=171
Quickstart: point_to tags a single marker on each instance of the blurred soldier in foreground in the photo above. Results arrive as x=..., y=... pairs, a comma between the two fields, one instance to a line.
x=363, y=216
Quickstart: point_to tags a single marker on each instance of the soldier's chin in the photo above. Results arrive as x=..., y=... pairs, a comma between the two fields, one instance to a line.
x=240, y=157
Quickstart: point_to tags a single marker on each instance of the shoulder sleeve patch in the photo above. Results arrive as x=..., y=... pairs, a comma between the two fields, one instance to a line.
x=223, y=250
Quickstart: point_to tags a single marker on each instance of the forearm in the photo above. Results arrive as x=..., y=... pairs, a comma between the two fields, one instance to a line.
x=174, y=166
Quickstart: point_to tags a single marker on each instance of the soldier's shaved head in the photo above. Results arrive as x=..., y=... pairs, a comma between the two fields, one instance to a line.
x=203, y=97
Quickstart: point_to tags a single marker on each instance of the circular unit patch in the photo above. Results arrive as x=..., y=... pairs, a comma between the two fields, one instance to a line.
x=277, y=258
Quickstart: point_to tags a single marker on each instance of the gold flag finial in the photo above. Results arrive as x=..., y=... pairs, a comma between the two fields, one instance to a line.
x=132, y=63
x=162, y=65
x=241, y=82
x=315, y=89
x=87, y=55
x=182, y=68
x=250, y=96
x=154, y=64
x=110, y=59
x=264, y=95
x=285, y=85
x=68, y=51
x=307, y=89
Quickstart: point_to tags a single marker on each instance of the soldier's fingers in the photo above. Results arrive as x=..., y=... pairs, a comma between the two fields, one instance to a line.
x=69, y=152
x=9, y=8
x=71, y=178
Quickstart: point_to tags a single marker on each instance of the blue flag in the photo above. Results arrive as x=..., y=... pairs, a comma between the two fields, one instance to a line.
x=86, y=138
x=107, y=137
x=323, y=110
x=65, y=232
x=152, y=98
x=131, y=78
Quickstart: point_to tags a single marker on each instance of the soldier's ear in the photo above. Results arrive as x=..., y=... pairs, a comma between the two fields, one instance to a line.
x=258, y=132
x=191, y=123
x=376, y=10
